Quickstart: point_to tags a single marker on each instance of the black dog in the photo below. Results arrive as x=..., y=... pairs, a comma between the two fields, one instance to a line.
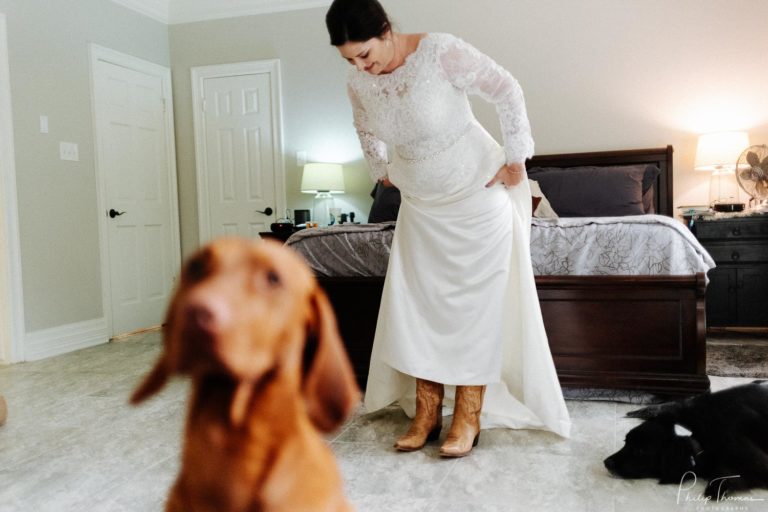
x=728, y=441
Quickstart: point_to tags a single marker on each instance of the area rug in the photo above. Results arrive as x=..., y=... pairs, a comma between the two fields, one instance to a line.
x=728, y=359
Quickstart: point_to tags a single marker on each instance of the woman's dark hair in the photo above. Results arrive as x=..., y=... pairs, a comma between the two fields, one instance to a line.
x=356, y=20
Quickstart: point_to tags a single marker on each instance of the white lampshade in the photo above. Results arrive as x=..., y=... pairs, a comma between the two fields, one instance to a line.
x=720, y=151
x=319, y=177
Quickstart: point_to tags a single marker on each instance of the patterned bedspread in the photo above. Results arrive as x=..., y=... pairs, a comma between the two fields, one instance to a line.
x=634, y=245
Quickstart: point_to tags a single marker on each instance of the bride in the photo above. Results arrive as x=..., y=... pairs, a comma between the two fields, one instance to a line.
x=459, y=324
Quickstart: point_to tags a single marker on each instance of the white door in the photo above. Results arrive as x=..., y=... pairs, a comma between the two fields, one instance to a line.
x=238, y=141
x=139, y=209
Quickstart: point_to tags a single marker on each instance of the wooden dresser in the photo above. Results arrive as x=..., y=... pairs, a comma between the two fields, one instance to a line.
x=737, y=295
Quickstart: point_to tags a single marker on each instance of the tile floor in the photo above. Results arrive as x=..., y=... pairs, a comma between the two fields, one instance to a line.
x=73, y=444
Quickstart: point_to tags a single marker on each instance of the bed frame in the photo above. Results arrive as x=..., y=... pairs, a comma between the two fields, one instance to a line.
x=613, y=332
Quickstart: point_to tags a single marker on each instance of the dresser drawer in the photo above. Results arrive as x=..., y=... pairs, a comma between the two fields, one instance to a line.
x=733, y=229
x=738, y=252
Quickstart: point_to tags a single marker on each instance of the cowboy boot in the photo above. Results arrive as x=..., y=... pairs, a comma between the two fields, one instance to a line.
x=465, y=429
x=428, y=421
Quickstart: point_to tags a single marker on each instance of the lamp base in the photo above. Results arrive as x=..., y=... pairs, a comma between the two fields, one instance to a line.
x=728, y=207
x=321, y=207
x=723, y=188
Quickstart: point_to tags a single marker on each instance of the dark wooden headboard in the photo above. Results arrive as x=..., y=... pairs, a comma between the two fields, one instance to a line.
x=661, y=157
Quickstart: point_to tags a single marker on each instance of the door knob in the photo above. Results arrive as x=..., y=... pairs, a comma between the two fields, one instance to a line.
x=267, y=211
x=114, y=213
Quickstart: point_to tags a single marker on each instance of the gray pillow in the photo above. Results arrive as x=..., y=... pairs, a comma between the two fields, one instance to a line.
x=596, y=191
x=649, y=203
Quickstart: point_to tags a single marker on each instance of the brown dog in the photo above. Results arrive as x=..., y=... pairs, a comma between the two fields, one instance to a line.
x=250, y=326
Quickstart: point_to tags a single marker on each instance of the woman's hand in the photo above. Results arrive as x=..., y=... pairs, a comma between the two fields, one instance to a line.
x=509, y=175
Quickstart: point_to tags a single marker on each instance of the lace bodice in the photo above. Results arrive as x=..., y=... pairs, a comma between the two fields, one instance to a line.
x=421, y=108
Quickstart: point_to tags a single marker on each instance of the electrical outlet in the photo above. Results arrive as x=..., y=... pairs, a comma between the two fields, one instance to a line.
x=68, y=151
x=43, y=124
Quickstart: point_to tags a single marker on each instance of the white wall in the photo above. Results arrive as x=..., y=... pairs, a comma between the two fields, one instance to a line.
x=49, y=74
x=316, y=115
x=597, y=75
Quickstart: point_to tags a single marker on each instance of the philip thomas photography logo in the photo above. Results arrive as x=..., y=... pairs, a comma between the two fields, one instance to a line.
x=722, y=499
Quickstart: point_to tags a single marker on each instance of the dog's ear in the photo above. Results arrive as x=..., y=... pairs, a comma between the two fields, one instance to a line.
x=152, y=383
x=329, y=386
x=668, y=409
x=164, y=367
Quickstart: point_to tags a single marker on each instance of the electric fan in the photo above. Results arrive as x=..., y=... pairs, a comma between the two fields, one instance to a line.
x=752, y=174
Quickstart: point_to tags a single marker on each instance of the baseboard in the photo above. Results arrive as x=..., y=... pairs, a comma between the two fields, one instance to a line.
x=65, y=338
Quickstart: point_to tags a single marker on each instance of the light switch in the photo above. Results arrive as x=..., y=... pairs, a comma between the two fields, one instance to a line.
x=43, y=124
x=68, y=151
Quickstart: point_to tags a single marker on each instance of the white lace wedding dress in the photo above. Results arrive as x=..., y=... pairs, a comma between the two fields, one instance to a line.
x=459, y=304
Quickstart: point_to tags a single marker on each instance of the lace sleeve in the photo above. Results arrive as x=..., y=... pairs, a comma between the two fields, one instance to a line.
x=469, y=69
x=375, y=150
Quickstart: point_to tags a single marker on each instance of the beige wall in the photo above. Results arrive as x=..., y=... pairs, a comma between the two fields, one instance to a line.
x=316, y=117
x=598, y=75
x=49, y=66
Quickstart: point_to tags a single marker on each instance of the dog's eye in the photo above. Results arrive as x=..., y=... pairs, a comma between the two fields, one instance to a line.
x=198, y=267
x=272, y=278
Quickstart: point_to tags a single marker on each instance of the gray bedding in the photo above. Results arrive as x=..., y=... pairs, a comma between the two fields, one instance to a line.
x=630, y=245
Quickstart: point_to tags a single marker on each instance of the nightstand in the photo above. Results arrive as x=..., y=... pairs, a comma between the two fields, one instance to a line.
x=737, y=295
x=282, y=237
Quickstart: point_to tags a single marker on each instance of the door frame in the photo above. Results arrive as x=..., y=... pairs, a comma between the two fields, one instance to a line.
x=101, y=53
x=12, y=329
x=199, y=75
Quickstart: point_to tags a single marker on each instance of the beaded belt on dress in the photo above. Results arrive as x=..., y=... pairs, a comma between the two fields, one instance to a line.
x=452, y=142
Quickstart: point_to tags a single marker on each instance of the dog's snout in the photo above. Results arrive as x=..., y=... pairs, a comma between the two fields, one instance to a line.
x=210, y=316
x=610, y=464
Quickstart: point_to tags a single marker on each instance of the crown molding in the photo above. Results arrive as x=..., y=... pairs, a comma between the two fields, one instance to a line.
x=188, y=11
x=172, y=12
x=156, y=9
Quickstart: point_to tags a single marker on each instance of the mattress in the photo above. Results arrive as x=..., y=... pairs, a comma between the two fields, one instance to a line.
x=631, y=245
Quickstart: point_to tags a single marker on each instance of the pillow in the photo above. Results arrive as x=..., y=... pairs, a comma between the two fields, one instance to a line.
x=596, y=191
x=541, y=208
x=649, y=205
x=386, y=204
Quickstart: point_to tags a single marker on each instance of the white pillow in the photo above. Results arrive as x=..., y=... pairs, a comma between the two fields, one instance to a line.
x=544, y=209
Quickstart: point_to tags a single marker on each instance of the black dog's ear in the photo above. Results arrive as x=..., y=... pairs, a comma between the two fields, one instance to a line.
x=645, y=413
x=654, y=411
x=677, y=460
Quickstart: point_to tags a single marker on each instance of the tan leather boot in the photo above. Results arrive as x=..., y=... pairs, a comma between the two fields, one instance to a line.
x=465, y=429
x=428, y=421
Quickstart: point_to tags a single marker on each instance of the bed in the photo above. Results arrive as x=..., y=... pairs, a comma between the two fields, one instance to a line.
x=617, y=324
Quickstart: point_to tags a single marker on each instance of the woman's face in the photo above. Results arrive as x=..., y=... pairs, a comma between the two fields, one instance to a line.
x=373, y=56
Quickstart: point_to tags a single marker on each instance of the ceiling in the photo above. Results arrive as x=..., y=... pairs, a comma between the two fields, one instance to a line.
x=186, y=11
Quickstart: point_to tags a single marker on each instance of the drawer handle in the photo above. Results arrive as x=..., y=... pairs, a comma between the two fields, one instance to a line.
x=735, y=256
x=736, y=231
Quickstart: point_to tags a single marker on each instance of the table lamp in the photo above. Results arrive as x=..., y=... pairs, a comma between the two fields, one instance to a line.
x=323, y=180
x=718, y=153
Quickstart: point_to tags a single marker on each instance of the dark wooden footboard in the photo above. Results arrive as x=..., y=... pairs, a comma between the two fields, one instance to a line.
x=627, y=332
x=615, y=332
